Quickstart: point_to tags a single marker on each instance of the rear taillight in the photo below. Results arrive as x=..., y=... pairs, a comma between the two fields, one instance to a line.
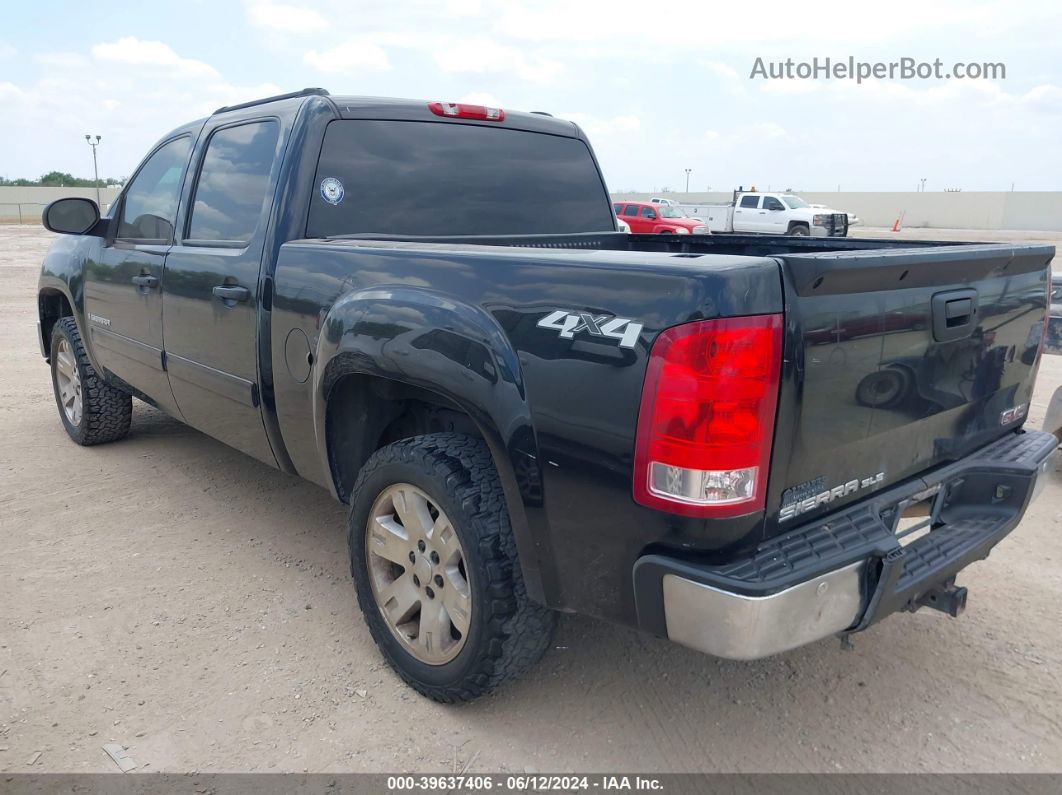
x=707, y=417
x=461, y=110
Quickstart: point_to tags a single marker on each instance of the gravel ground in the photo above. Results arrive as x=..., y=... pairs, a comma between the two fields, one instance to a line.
x=172, y=595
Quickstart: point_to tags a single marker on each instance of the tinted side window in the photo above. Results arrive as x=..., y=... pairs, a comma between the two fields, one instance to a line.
x=647, y=212
x=234, y=182
x=617, y=208
x=630, y=209
x=750, y=201
x=771, y=203
x=150, y=203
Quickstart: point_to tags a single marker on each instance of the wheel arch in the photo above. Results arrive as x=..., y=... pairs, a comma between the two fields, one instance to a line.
x=404, y=361
x=52, y=304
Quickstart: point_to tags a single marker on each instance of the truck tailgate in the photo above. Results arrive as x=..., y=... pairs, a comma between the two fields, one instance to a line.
x=898, y=361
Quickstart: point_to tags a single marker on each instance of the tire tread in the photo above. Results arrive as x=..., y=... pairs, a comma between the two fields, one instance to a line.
x=519, y=630
x=107, y=412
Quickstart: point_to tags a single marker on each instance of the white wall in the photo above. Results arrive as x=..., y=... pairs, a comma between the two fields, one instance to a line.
x=32, y=201
x=1032, y=210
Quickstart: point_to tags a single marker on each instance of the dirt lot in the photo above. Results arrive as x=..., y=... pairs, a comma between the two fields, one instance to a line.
x=175, y=596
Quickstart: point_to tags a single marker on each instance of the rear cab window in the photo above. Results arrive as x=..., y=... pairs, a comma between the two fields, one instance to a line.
x=433, y=179
x=750, y=202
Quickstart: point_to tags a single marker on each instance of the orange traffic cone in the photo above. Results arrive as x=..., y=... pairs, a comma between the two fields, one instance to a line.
x=896, y=223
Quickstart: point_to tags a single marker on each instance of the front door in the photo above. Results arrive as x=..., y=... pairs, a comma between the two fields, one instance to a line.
x=123, y=300
x=775, y=217
x=211, y=298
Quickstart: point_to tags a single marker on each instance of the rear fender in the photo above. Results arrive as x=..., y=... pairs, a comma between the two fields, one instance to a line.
x=428, y=340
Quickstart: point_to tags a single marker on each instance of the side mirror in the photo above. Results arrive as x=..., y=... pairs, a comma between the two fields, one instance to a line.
x=73, y=216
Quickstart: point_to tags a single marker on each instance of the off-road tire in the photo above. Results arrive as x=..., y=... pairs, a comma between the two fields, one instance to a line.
x=799, y=230
x=508, y=633
x=106, y=412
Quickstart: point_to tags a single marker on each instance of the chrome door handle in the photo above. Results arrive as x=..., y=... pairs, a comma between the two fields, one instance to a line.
x=144, y=280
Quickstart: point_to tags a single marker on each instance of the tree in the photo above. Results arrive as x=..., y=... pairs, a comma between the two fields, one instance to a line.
x=61, y=179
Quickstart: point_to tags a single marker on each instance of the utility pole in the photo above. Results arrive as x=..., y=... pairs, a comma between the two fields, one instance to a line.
x=688, y=170
x=95, y=168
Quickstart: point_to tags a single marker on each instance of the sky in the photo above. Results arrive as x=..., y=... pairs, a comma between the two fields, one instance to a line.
x=659, y=87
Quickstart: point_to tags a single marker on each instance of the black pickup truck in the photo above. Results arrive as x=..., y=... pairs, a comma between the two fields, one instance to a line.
x=743, y=444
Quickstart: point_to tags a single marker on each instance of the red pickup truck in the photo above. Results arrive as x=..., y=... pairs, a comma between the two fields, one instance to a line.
x=654, y=219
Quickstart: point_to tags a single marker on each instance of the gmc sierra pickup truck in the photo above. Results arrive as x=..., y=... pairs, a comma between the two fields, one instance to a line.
x=743, y=444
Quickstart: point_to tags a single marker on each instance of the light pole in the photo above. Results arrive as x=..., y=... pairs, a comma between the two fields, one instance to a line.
x=95, y=168
x=688, y=170
x=923, y=185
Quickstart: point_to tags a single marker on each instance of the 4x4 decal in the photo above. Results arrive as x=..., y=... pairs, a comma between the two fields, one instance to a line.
x=571, y=323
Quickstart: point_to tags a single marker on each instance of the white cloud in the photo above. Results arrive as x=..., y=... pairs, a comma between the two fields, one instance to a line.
x=10, y=92
x=479, y=55
x=790, y=86
x=354, y=54
x=697, y=25
x=596, y=127
x=286, y=18
x=132, y=50
x=464, y=7
x=62, y=60
x=482, y=98
x=721, y=69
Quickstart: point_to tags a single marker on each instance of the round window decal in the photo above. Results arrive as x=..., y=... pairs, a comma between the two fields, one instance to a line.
x=332, y=190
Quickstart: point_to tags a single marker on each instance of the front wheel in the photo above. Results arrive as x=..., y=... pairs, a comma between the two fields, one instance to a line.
x=435, y=568
x=799, y=230
x=92, y=412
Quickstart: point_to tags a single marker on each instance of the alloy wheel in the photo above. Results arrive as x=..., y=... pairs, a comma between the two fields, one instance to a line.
x=417, y=574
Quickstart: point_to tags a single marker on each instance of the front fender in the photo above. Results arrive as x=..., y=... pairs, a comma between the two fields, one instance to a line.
x=429, y=340
x=63, y=273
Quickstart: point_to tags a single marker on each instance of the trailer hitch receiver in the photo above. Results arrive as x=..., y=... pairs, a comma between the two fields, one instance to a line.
x=946, y=597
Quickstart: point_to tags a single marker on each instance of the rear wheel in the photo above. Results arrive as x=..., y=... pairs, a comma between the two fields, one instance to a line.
x=435, y=568
x=91, y=411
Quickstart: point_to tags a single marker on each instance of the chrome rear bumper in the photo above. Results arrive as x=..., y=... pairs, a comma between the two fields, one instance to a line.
x=749, y=627
x=843, y=572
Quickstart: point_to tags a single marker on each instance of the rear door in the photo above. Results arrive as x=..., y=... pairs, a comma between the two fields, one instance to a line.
x=637, y=224
x=123, y=298
x=211, y=284
x=898, y=361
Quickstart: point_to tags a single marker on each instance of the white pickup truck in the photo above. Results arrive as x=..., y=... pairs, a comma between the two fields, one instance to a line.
x=772, y=214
